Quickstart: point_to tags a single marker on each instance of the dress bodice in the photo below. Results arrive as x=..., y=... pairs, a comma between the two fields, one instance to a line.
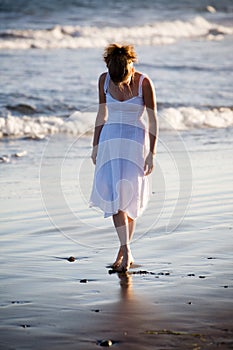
x=127, y=112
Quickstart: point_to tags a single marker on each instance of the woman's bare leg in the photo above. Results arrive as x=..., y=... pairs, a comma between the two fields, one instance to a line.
x=131, y=225
x=121, y=224
x=121, y=219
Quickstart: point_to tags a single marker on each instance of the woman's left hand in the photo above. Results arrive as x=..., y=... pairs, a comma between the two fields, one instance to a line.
x=94, y=154
x=148, y=167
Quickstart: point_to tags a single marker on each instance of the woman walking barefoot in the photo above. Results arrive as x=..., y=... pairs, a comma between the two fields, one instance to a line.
x=123, y=150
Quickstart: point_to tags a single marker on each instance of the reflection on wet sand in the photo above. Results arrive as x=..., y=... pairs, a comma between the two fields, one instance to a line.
x=128, y=315
x=126, y=283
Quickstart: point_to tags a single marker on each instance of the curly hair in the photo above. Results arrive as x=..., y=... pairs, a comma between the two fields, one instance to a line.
x=117, y=58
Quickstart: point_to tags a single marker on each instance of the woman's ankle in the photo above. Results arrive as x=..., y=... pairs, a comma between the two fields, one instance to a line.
x=125, y=248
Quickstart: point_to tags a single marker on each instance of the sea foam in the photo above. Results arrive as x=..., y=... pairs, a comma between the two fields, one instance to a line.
x=73, y=37
x=182, y=118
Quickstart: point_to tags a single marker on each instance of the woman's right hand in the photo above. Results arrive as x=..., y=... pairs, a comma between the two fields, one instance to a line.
x=148, y=167
x=94, y=154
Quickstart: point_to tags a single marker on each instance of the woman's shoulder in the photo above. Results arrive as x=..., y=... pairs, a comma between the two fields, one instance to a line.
x=102, y=76
x=146, y=82
x=102, y=79
x=142, y=76
x=145, y=79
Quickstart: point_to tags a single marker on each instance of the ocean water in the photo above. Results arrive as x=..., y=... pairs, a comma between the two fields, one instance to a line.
x=51, y=58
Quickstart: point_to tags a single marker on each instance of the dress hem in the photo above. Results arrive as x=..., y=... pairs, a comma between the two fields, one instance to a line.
x=107, y=215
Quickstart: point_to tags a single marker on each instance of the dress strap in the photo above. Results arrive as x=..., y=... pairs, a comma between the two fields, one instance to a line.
x=140, y=85
x=106, y=82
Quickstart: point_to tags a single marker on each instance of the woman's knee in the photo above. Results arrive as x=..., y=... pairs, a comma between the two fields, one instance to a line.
x=120, y=218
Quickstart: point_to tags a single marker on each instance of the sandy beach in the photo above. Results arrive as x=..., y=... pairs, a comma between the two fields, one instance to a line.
x=178, y=295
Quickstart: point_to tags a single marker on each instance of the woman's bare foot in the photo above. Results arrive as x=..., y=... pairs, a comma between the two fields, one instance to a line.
x=119, y=259
x=126, y=259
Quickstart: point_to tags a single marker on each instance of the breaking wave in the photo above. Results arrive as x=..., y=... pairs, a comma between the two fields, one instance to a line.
x=182, y=118
x=73, y=37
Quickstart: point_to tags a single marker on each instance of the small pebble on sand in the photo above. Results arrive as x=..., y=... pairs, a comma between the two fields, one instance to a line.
x=106, y=343
x=71, y=259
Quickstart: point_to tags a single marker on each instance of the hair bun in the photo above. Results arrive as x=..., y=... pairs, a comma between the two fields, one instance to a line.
x=119, y=51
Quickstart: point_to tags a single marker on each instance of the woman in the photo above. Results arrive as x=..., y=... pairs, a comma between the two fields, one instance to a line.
x=122, y=149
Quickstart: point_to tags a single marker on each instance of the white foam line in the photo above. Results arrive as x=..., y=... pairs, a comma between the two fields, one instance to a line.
x=181, y=118
x=159, y=33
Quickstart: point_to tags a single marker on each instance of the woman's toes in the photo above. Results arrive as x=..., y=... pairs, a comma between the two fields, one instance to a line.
x=117, y=263
x=122, y=268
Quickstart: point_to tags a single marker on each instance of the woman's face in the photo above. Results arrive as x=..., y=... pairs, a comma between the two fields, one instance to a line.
x=122, y=73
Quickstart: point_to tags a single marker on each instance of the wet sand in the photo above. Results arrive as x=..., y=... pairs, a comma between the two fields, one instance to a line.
x=177, y=296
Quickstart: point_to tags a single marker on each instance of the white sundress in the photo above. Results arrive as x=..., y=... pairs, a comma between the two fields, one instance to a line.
x=119, y=181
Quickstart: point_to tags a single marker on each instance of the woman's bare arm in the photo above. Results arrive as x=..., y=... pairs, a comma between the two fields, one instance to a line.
x=100, y=118
x=150, y=103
